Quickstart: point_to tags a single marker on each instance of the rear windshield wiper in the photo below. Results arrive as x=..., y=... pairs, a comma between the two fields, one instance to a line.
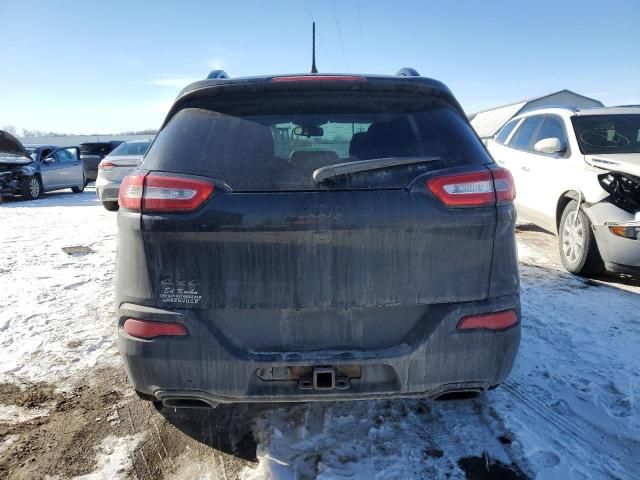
x=337, y=169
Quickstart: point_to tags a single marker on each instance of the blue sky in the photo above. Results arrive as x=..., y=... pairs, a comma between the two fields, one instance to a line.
x=108, y=66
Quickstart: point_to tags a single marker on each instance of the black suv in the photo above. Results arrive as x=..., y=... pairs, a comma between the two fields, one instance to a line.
x=316, y=237
x=91, y=153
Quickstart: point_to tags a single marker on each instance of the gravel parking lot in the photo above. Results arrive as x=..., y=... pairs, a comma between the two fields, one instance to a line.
x=569, y=410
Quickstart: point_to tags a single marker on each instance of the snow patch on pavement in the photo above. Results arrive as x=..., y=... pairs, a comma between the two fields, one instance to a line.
x=56, y=310
x=114, y=457
x=572, y=398
x=16, y=414
x=7, y=441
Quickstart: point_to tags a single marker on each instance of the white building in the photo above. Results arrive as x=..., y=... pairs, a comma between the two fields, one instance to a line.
x=488, y=122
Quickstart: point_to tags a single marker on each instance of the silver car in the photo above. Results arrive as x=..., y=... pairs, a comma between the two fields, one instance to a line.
x=29, y=171
x=114, y=167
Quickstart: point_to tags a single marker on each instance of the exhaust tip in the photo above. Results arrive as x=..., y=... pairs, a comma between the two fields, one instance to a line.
x=177, y=402
x=458, y=395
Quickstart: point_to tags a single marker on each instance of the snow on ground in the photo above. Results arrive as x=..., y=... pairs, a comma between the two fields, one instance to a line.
x=18, y=414
x=114, y=458
x=56, y=310
x=568, y=411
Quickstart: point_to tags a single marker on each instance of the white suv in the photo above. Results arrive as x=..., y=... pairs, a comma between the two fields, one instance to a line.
x=577, y=173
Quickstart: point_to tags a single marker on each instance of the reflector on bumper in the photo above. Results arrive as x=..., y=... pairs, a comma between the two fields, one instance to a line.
x=149, y=329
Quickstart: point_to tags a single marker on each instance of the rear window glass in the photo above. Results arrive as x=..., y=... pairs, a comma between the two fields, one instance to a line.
x=133, y=149
x=96, y=148
x=267, y=146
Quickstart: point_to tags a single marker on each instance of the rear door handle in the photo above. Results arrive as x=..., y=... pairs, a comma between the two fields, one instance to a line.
x=526, y=169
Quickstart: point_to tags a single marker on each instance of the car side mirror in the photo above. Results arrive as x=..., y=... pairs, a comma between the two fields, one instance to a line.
x=549, y=145
x=49, y=160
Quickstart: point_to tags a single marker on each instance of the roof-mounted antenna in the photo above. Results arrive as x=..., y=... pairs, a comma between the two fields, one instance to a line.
x=313, y=50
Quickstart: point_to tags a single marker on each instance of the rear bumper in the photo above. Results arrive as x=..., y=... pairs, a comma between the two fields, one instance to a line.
x=107, y=190
x=434, y=358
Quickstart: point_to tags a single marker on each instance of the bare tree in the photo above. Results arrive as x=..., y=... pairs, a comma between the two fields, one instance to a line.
x=10, y=129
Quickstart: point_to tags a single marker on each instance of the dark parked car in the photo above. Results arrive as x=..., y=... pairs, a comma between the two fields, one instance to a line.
x=36, y=169
x=91, y=153
x=316, y=237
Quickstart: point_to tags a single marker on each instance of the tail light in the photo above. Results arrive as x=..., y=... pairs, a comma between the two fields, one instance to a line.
x=155, y=193
x=504, y=185
x=474, y=189
x=130, y=194
x=490, y=321
x=149, y=329
x=106, y=166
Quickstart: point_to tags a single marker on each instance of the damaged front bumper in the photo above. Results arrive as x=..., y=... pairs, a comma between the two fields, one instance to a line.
x=9, y=182
x=617, y=234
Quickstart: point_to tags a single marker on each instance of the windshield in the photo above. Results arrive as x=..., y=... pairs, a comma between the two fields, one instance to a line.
x=608, y=133
x=278, y=146
x=136, y=149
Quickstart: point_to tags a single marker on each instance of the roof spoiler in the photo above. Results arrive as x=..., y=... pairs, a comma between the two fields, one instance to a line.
x=217, y=74
x=407, y=72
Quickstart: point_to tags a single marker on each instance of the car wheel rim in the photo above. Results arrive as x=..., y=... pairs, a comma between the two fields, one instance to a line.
x=34, y=187
x=573, y=238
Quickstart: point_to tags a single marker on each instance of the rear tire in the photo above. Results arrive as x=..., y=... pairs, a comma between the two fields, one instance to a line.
x=111, y=206
x=578, y=248
x=30, y=187
x=77, y=189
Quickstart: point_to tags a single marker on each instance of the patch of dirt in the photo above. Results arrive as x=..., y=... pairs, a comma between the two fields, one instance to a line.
x=485, y=468
x=74, y=343
x=63, y=443
x=32, y=397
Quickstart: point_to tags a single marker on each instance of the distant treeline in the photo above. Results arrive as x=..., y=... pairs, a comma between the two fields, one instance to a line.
x=25, y=132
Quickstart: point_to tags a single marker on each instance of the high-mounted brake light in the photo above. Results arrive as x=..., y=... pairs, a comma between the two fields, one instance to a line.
x=150, y=329
x=155, y=193
x=474, y=189
x=319, y=78
x=490, y=321
x=105, y=166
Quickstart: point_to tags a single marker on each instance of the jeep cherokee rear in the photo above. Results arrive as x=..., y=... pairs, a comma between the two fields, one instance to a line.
x=316, y=237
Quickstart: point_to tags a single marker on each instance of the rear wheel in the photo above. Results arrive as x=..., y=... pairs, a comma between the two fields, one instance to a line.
x=30, y=187
x=111, y=206
x=80, y=189
x=578, y=249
